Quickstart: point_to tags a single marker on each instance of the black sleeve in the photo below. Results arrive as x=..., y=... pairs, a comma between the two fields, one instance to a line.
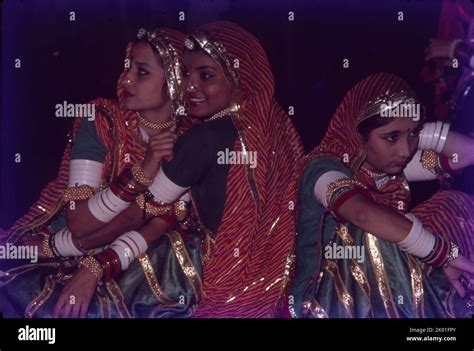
x=192, y=157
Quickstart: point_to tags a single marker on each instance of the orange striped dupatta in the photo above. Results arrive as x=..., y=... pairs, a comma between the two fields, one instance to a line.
x=117, y=129
x=249, y=265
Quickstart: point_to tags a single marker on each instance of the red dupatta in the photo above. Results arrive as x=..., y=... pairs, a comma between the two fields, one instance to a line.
x=248, y=269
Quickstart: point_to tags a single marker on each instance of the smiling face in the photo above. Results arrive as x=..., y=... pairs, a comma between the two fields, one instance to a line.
x=144, y=83
x=207, y=89
x=390, y=147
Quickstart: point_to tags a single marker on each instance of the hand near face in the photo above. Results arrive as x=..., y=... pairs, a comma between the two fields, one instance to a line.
x=160, y=146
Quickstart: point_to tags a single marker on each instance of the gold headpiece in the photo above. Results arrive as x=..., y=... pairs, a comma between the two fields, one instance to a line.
x=385, y=102
x=171, y=66
x=217, y=51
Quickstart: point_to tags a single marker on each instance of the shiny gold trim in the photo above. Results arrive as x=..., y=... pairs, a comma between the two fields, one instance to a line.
x=12, y=273
x=313, y=307
x=219, y=54
x=250, y=172
x=381, y=276
x=104, y=304
x=344, y=296
x=44, y=295
x=186, y=264
x=343, y=232
x=416, y=285
x=117, y=296
x=151, y=279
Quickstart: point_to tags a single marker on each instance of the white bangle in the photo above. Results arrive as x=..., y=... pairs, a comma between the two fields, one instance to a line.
x=433, y=136
x=164, y=189
x=64, y=244
x=419, y=242
x=414, y=170
x=85, y=172
x=128, y=246
x=105, y=205
x=443, y=137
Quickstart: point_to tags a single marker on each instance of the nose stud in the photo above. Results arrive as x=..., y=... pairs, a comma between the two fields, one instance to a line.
x=191, y=88
x=128, y=81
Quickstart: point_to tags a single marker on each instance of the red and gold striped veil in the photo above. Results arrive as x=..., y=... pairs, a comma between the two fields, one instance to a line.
x=249, y=265
x=447, y=213
x=116, y=128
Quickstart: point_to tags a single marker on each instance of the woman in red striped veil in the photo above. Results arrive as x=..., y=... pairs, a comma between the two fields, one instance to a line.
x=362, y=251
x=100, y=197
x=239, y=166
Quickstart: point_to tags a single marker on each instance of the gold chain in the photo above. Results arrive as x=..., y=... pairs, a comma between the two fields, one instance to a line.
x=152, y=125
x=223, y=113
x=372, y=174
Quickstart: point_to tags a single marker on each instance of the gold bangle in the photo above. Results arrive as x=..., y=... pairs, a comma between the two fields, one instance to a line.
x=139, y=175
x=93, y=266
x=46, y=247
x=82, y=192
x=152, y=209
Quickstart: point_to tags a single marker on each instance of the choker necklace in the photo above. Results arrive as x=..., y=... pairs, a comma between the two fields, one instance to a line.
x=152, y=125
x=372, y=174
x=223, y=113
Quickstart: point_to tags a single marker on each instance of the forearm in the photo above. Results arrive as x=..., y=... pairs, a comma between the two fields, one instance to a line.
x=128, y=220
x=459, y=149
x=80, y=220
x=379, y=220
x=153, y=230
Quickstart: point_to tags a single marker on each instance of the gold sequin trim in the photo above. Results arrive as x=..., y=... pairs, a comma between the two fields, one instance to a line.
x=44, y=295
x=416, y=285
x=186, y=264
x=117, y=296
x=151, y=278
x=344, y=297
x=381, y=276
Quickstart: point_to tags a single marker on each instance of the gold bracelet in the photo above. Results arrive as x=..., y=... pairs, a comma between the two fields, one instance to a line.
x=152, y=209
x=93, y=266
x=139, y=175
x=180, y=210
x=82, y=192
x=430, y=161
x=46, y=247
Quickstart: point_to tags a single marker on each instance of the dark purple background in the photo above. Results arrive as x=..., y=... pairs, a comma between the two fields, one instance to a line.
x=78, y=61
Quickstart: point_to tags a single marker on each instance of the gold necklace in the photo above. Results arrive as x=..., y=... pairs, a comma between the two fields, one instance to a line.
x=372, y=174
x=152, y=125
x=223, y=113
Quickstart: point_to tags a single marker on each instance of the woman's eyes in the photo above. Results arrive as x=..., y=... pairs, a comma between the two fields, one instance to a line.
x=142, y=72
x=205, y=75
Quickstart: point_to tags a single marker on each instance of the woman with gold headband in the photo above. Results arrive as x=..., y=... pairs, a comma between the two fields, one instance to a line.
x=243, y=210
x=362, y=251
x=102, y=197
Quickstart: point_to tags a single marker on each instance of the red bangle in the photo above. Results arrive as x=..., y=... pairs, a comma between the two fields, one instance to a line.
x=105, y=266
x=169, y=219
x=114, y=262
